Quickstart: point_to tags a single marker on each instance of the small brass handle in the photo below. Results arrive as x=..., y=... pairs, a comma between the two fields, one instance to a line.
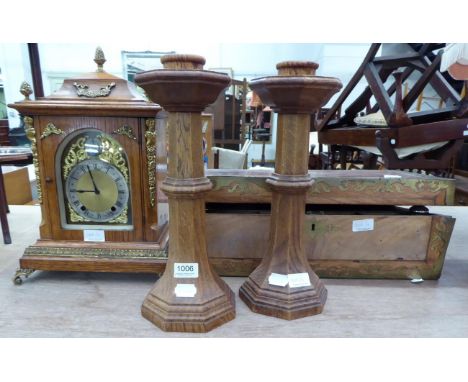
x=82, y=90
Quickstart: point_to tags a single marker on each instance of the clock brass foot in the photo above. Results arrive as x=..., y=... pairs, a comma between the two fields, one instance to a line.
x=20, y=273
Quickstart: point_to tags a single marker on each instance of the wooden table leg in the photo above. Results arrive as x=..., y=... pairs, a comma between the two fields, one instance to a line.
x=3, y=211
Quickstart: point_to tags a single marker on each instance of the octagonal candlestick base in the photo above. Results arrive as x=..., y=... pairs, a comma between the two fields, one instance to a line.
x=284, y=285
x=190, y=296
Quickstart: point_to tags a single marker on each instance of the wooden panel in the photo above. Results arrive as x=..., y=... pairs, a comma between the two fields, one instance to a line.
x=47, y=150
x=232, y=238
x=352, y=136
x=328, y=237
x=17, y=186
x=4, y=130
x=429, y=268
x=337, y=187
x=237, y=236
x=430, y=132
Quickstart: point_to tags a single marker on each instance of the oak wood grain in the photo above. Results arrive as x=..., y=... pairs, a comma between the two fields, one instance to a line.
x=70, y=112
x=185, y=90
x=294, y=94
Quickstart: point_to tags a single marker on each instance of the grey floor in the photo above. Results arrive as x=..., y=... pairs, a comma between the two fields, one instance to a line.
x=66, y=304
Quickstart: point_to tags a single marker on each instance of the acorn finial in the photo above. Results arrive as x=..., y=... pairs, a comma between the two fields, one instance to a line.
x=99, y=59
x=26, y=90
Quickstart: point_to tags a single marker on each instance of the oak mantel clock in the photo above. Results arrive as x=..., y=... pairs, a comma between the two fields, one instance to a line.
x=94, y=152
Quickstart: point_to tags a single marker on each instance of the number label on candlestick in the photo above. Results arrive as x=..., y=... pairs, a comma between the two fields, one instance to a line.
x=297, y=280
x=185, y=290
x=185, y=270
x=363, y=225
x=278, y=279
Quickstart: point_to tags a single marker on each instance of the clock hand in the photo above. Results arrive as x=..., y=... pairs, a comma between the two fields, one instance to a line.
x=81, y=191
x=96, y=190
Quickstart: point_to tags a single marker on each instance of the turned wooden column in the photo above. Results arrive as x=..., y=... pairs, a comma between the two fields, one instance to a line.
x=284, y=285
x=185, y=299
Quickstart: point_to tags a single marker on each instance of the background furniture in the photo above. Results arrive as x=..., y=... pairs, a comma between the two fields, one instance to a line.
x=231, y=159
x=17, y=185
x=9, y=157
x=4, y=130
x=401, y=130
x=229, y=114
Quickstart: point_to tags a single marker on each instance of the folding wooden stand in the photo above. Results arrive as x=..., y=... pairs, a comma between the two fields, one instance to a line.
x=197, y=300
x=403, y=129
x=294, y=94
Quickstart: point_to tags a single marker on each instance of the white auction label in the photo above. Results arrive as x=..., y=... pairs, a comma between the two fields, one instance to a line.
x=185, y=270
x=297, y=280
x=392, y=176
x=94, y=235
x=465, y=133
x=278, y=279
x=363, y=225
x=185, y=290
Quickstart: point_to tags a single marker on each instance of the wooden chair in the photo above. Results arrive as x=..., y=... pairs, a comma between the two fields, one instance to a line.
x=231, y=159
x=402, y=130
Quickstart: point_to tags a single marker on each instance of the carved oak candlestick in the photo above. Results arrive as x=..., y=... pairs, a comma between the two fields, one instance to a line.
x=190, y=296
x=284, y=285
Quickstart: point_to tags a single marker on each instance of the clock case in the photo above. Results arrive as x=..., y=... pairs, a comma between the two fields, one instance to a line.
x=113, y=106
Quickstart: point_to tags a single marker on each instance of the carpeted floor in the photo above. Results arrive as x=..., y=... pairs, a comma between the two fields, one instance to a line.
x=66, y=304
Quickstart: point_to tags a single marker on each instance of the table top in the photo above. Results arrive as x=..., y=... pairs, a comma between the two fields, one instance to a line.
x=15, y=155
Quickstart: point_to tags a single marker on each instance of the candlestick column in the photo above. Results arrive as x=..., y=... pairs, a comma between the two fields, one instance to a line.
x=190, y=296
x=284, y=285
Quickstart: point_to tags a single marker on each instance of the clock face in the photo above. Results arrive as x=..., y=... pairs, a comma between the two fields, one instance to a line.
x=93, y=182
x=96, y=190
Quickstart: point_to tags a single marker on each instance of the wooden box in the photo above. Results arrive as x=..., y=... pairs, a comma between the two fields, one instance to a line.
x=403, y=243
x=17, y=185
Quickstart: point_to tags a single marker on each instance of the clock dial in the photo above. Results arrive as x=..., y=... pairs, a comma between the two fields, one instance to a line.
x=96, y=190
x=93, y=182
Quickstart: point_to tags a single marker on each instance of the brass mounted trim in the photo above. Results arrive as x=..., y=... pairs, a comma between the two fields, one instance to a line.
x=122, y=218
x=111, y=153
x=82, y=90
x=31, y=134
x=74, y=217
x=150, y=137
x=121, y=253
x=51, y=129
x=126, y=131
x=20, y=273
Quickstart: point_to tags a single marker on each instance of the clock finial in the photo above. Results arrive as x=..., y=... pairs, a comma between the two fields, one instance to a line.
x=99, y=59
x=26, y=90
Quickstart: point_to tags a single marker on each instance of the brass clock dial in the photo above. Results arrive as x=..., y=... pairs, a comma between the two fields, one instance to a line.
x=96, y=190
x=93, y=182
